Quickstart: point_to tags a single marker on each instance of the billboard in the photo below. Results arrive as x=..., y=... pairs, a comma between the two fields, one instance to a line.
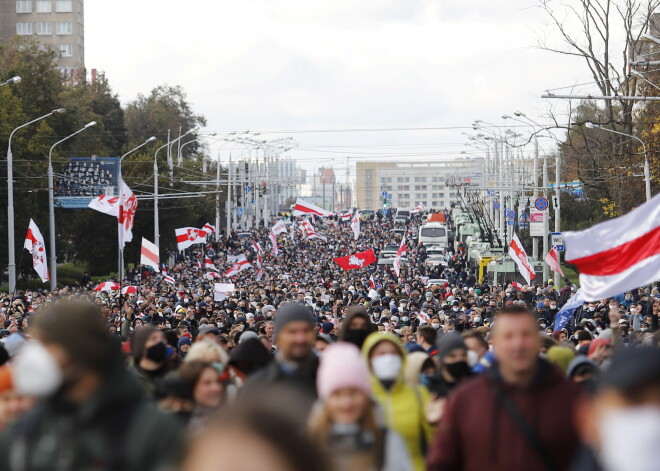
x=84, y=178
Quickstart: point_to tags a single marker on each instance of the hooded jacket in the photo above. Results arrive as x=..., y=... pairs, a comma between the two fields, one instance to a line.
x=404, y=406
x=477, y=433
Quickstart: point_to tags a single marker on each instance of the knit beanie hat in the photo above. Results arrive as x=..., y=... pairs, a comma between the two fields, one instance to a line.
x=292, y=312
x=449, y=342
x=342, y=366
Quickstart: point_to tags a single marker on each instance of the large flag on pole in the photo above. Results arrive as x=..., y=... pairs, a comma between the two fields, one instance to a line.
x=105, y=204
x=399, y=253
x=241, y=264
x=149, y=255
x=303, y=208
x=357, y=260
x=187, y=236
x=34, y=243
x=127, y=207
x=552, y=259
x=518, y=254
x=355, y=225
x=618, y=255
x=273, y=241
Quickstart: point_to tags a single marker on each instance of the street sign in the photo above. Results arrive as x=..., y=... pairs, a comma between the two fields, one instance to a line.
x=496, y=205
x=537, y=223
x=541, y=203
x=557, y=240
x=555, y=202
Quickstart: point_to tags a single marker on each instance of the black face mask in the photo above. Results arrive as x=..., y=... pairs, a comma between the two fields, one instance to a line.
x=356, y=336
x=156, y=353
x=458, y=370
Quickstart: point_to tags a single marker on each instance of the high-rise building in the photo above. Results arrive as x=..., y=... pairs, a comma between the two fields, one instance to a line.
x=58, y=24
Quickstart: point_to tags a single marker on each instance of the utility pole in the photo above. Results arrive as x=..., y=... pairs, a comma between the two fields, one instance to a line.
x=217, y=198
x=557, y=211
x=545, y=217
x=535, y=240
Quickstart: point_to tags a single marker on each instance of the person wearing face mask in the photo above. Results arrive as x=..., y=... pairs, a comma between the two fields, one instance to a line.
x=620, y=427
x=452, y=361
x=356, y=326
x=404, y=406
x=150, y=362
x=92, y=413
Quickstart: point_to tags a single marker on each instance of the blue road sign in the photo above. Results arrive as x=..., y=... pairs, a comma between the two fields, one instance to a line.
x=248, y=189
x=557, y=240
x=541, y=203
x=510, y=213
x=496, y=205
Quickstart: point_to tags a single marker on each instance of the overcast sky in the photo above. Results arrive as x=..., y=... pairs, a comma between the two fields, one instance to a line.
x=339, y=64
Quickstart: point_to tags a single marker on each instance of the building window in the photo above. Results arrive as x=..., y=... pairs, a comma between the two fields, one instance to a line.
x=64, y=6
x=24, y=6
x=23, y=29
x=44, y=6
x=64, y=27
x=66, y=50
x=420, y=179
x=44, y=29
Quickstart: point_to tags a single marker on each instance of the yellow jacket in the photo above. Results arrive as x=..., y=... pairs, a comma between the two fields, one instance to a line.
x=404, y=406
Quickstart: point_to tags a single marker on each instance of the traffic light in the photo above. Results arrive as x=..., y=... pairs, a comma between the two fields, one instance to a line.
x=384, y=202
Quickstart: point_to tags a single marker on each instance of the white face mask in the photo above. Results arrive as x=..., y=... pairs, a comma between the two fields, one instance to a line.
x=473, y=358
x=35, y=371
x=619, y=452
x=455, y=309
x=386, y=367
x=435, y=325
x=477, y=319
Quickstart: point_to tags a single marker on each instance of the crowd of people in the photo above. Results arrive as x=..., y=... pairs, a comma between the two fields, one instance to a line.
x=312, y=367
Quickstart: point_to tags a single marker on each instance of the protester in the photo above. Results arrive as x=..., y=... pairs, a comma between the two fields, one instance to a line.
x=346, y=422
x=404, y=406
x=516, y=431
x=91, y=392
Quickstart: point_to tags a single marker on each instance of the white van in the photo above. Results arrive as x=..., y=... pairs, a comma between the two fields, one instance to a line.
x=433, y=233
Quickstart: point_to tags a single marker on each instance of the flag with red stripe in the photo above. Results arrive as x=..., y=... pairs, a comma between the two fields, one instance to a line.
x=34, y=243
x=187, y=236
x=518, y=254
x=552, y=259
x=617, y=255
x=149, y=255
x=302, y=208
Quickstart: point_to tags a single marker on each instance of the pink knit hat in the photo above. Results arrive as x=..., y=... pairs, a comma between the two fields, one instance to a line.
x=342, y=366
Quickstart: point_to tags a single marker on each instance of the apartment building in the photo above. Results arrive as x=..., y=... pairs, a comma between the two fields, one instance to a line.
x=58, y=24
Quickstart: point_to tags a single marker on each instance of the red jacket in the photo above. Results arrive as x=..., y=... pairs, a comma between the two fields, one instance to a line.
x=477, y=434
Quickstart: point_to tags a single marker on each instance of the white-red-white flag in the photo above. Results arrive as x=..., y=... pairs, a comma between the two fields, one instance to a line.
x=149, y=255
x=257, y=247
x=213, y=275
x=302, y=208
x=208, y=264
x=34, y=243
x=355, y=225
x=420, y=207
x=279, y=227
x=316, y=235
x=423, y=317
x=168, y=279
x=241, y=264
x=128, y=204
x=346, y=216
x=399, y=253
x=552, y=259
x=107, y=286
x=129, y=290
x=273, y=242
x=372, y=283
x=105, y=204
x=208, y=228
x=187, y=236
x=618, y=255
x=518, y=254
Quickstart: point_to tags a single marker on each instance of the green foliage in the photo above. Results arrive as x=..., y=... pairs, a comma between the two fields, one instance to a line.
x=86, y=239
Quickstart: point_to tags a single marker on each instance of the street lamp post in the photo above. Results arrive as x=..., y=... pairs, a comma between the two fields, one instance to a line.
x=647, y=169
x=16, y=79
x=51, y=206
x=11, y=264
x=120, y=272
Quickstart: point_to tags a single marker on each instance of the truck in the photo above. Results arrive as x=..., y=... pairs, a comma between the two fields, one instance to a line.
x=504, y=270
